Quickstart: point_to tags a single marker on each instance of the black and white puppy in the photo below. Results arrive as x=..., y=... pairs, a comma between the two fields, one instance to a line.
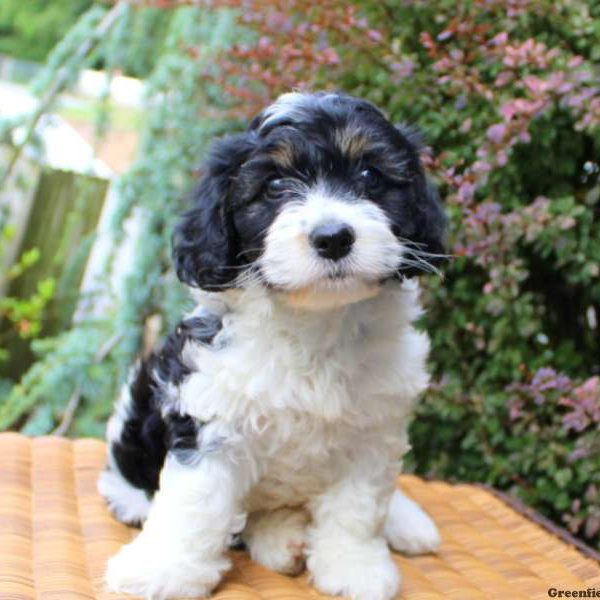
x=278, y=410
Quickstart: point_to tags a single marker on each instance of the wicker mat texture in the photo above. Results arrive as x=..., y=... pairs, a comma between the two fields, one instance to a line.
x=56, y=535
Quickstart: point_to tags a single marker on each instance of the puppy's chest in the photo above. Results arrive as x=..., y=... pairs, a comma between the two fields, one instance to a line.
x=251, y=377
x=323, y=381
x=299, y=457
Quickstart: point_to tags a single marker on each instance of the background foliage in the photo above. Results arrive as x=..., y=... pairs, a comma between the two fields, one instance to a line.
x=30, y=29
x=22, y=316
x=507, y=96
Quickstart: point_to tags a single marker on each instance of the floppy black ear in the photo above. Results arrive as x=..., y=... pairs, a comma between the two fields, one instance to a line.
x=204, y=242
x=428, y=217
x=428, y=225
x=411, y=134
x=432, y=233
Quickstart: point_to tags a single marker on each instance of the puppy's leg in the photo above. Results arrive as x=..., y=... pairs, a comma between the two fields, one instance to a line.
x=181, y=549
x=276, y=539
x=408, y=528
x=348, y=554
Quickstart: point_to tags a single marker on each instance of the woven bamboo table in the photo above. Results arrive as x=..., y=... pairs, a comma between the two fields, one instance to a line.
x=56, y=535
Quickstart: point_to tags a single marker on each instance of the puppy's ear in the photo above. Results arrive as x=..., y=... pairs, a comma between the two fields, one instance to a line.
x=429, y=230
x=431, y=234
x=412, y=135
x=204, y=242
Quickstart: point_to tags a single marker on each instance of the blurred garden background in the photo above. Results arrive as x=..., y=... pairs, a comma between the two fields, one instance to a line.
x=106, y=110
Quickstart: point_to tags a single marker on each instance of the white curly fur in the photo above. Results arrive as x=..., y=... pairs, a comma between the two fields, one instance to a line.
x=287, y=427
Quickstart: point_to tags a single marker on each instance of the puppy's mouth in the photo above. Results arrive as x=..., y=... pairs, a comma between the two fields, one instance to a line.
x=338, y=274
x=334, y=280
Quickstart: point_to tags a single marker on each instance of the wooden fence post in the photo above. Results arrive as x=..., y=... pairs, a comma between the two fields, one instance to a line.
x=63, y=218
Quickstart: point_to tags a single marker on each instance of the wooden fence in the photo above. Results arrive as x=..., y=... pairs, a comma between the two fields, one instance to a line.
x=62, y=220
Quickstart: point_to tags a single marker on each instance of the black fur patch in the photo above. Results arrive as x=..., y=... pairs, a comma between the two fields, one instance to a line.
x=182, y=437
x=151, y=430
x=141, y=446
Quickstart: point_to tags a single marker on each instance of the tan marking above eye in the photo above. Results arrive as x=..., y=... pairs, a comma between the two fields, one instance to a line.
x=283, y=155
x=351, y=142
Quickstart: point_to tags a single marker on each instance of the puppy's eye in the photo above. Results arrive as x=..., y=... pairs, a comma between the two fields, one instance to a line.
x=275, y=186
x=371, y=178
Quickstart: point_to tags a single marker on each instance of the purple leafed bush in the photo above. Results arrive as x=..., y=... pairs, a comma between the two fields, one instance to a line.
x=553, y=411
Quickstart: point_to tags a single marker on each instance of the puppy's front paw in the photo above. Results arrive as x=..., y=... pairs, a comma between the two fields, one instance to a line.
x=160, y=573
x=408, y=529
x=359, y=570
x=276, y=539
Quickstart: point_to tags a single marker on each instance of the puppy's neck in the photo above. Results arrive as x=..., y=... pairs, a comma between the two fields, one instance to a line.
x=390, y=308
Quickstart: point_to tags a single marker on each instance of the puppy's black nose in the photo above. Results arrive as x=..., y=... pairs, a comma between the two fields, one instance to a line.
x=332, y=239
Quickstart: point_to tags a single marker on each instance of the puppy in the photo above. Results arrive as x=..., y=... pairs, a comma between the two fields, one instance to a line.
x=277, y=412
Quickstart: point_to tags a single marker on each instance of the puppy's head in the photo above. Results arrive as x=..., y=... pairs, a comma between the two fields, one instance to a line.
x=322, y=199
